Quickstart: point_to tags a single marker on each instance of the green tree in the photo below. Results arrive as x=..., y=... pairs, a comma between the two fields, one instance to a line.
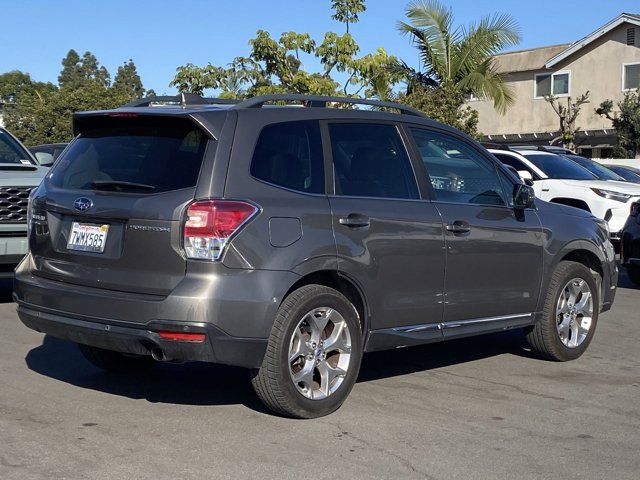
x=347, y=11
x=458, y=59
x=42, y=113
x=626, y=122
x=277, y=66
x=128, y=82
x=76, y=70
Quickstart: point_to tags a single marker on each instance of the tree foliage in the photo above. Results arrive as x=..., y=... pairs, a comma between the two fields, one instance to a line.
x=445, y=105
x=127, y=81
x=76, y=70
x=626, y=122
x=347, y=11
x=455, y=62
x=276, y=65
x=38, y=112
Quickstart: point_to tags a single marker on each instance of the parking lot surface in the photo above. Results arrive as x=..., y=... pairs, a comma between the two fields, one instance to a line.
x=475, y=408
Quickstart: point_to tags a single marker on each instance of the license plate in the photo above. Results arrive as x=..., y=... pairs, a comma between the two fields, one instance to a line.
x=87, y=237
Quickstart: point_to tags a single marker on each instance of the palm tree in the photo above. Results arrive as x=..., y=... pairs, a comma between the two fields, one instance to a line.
x=459, y=58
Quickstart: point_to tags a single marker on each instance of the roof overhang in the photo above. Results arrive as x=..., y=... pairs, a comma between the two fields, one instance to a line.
x=619, y=20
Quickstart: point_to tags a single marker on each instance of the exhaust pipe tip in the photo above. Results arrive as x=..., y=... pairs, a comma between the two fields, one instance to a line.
x=158, y=355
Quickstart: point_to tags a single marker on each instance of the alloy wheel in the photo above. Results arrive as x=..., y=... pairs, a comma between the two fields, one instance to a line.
x=574, y=312
x=319, y=353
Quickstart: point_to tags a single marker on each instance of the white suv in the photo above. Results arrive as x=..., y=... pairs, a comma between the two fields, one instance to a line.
x=560, y=180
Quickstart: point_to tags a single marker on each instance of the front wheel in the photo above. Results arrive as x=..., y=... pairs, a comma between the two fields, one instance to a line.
x=569, y=316
x=313, y=354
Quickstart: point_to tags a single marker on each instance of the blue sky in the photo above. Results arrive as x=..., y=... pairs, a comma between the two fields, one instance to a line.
x=161, y=35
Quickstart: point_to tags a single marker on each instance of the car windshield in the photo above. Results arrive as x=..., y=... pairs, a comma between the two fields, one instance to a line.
x=600, y=171
x=556, y=166
x=11, y=151
x=626, y=173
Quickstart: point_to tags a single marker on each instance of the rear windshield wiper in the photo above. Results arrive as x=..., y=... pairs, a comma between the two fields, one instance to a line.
x=120, y=185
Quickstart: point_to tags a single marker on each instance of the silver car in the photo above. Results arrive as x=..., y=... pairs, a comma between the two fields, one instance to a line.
x=19, y=174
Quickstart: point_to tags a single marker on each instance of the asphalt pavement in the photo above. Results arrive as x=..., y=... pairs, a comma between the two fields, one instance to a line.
x=479, y=408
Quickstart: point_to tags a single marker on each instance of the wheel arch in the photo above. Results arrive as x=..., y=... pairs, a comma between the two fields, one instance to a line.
x=583, y=252
x=571, y=202
x=342, y=283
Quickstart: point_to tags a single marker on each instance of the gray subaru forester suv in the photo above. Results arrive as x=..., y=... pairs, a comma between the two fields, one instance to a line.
x=291, y=240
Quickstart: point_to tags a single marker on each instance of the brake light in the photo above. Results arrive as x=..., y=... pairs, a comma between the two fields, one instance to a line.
x=635, y=210
x=210, y=224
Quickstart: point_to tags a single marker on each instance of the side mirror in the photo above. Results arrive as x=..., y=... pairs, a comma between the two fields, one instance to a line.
x=44, y=159
x=523, y=197
x=526, y=176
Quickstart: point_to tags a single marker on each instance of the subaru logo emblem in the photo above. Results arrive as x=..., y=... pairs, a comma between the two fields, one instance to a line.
x=82, y=204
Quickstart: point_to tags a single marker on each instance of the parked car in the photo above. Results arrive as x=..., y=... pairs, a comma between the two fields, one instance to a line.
x=559, y=180
x=630, y=174
x=600, y=171
x=544, y=148
x=291, y=240
x=19, y=173
x=47, y=153
x=630, y=244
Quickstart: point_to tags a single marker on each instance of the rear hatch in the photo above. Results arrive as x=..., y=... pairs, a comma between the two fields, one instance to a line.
x=110, y=213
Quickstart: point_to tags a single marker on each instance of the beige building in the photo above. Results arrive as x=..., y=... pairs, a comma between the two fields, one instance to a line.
x=606, y=63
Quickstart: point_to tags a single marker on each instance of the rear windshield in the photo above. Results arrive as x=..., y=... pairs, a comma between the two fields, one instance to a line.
x=555, y=166
x=11, y=151
x=142, y=155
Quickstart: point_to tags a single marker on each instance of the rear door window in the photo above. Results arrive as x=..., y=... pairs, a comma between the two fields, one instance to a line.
x=370, y=160
x=290, y=155
x=142, y=154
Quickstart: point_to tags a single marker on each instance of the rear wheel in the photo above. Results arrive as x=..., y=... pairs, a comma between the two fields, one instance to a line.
x=570, y=314
x=115, y=362
x=313, y=355
x=634, y=275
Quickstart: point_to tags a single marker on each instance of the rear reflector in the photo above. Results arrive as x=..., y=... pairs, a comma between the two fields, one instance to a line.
x=182, y=336
x=210, y=224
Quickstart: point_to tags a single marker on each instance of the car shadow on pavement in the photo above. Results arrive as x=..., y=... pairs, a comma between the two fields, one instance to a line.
x=207, y=384
x=6, y=290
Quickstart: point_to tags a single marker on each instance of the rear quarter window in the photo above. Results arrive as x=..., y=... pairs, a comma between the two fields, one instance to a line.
x=289, y=155
x=161, y=154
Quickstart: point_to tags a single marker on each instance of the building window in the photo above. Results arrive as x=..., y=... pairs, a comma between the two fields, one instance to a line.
x=630, y=76
x=631, y=36
x=552, y=84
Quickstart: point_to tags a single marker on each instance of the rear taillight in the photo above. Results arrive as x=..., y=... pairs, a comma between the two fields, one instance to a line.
x=210, y=224
x=635, y=210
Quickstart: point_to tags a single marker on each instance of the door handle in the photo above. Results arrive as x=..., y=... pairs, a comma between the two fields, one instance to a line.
x=458, y=227
x=355, y=220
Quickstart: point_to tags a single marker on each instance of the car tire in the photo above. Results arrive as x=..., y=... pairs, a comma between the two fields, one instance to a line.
x=565, y=331
x=634, y=275
x=309, y=370
x=115, y=362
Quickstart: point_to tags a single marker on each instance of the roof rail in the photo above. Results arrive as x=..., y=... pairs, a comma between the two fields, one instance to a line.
x=322, y=100
x=183, y=100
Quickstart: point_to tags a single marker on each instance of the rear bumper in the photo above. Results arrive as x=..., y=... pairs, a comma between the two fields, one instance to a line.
x=234, y=308
x=218, y=347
